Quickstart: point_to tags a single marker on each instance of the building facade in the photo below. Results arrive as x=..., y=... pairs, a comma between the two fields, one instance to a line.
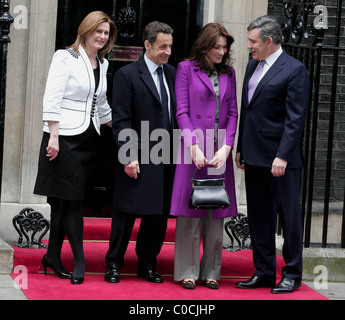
x=33, y=42
x=40, y=27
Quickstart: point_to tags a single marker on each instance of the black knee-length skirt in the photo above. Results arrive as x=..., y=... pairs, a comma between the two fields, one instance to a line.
x=68, y=176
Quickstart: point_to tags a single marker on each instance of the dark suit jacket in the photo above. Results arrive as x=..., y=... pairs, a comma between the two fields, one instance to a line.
x=272, y=123
x=136, y=100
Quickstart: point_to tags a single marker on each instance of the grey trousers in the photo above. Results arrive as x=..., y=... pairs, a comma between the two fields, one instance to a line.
x=187, y=248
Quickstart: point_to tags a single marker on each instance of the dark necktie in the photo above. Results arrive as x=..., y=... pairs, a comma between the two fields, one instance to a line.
x=164, y=100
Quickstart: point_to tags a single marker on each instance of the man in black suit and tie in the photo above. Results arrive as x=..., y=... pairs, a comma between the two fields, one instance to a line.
x=274, y=106
x=143, y=101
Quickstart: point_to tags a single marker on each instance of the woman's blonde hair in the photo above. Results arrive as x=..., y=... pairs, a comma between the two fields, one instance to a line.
x=90, y=24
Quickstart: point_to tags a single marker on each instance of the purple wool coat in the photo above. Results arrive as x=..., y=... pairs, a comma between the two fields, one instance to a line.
x=195, y=113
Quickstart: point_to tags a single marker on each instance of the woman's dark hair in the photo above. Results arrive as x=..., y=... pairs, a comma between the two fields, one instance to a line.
x=206, y=41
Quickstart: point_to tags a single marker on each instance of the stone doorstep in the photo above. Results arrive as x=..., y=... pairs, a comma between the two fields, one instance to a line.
x=328, y=262
x=320, y=260
x=6, y=257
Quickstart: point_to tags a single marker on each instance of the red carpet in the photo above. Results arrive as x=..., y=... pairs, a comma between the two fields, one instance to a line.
x=236, y=265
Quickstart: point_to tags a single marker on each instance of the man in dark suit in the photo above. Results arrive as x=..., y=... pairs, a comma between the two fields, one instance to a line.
x=274, y=106
x=141, y=105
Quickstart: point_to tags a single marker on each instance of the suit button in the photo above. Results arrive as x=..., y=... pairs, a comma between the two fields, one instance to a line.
x=198, y=116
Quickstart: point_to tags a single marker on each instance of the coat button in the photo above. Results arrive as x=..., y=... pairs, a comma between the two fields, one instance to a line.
x=198, y=116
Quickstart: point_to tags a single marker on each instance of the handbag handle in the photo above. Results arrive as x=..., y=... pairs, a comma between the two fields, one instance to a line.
x=196, y=169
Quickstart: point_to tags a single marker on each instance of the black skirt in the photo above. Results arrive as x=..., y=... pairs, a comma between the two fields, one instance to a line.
x=68, y=176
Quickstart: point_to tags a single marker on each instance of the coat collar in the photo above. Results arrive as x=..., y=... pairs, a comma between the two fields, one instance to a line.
x=146, y=77
x=202, y=74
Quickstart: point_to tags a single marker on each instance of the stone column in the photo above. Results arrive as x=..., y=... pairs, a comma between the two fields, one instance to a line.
x=30, y=53
x=41, y=48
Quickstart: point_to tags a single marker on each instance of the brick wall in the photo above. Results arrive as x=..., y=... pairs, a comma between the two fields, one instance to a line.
x=276, y=8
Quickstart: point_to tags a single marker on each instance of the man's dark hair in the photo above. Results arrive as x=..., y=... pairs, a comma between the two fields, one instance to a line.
x=153, y=28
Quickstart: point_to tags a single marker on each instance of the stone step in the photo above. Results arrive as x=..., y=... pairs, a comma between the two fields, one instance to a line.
x=326, y=263
x=320, y=263
x=6, y=257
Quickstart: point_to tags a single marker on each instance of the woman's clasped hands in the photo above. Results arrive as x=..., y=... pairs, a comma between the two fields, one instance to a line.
x=218, y=160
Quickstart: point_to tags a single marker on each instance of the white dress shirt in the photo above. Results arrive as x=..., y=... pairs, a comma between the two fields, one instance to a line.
x=153, y=70
x=270, y=61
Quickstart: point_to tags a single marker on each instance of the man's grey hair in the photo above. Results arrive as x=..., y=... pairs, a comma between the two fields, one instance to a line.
x=153, y=28
x=269, y=27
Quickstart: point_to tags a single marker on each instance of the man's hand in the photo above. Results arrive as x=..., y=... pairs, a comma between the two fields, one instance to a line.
x=132, y=169
x=278, y=167
x=238, y=161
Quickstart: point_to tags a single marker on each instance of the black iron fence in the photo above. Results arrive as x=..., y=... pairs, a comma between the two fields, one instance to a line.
x=323, y=183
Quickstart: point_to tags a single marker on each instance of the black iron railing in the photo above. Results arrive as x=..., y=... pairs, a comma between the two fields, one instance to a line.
x=326, y=99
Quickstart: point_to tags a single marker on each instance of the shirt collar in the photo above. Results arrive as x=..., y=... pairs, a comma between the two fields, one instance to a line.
x=273, y=57
x=151, y=65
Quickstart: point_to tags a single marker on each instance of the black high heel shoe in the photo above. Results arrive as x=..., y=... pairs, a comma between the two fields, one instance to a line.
x=61, y=274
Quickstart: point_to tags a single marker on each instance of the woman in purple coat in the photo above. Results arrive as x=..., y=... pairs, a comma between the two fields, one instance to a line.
x=206, y=99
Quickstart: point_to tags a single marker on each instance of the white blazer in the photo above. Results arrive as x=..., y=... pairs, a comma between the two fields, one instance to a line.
x=70, y=96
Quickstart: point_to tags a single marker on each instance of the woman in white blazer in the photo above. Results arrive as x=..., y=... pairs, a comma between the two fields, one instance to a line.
x=74, y=107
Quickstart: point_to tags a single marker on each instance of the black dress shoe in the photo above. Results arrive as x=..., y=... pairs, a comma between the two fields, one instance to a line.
x=112, y=276
x=257, y=282
x=150, y=275
x=286, y=286
x=77, y=280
